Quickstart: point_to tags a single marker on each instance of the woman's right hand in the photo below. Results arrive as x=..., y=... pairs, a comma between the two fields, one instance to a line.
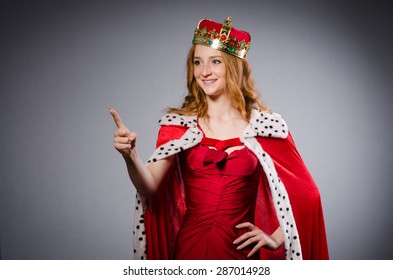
x=146, y=179
x=125, y=140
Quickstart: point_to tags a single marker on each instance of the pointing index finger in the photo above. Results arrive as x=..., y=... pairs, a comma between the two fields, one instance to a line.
x=116, y=118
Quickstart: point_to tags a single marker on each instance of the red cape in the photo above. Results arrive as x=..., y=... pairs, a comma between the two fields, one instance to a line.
x=165, y=210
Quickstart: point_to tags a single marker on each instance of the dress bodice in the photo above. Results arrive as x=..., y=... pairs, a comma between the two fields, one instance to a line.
x=220, y=193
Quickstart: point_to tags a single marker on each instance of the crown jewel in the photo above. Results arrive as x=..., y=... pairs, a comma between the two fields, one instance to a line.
x=222, y=37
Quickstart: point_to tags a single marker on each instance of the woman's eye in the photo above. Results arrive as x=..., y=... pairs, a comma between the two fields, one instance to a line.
x=197, y=62
x=216, y=61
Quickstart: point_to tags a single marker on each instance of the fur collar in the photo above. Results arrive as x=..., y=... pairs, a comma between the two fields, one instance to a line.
x=261, y=124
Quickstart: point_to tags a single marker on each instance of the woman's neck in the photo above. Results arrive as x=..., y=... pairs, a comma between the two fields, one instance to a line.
x=222, y=121
x=220, y=108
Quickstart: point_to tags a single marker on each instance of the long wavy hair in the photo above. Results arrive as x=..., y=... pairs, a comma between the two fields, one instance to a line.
x=240, y=88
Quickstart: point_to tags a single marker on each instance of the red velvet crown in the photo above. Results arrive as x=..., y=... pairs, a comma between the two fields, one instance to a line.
x=222, y=37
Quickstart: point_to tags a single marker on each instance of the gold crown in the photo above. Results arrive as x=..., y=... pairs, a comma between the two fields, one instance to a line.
x=228, y=39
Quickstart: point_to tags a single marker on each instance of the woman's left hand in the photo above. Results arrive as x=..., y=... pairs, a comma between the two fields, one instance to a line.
x=255, y=235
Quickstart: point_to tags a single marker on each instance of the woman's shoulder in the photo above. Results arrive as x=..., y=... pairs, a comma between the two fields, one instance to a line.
x=174, y=126
x=262, y=116
x=268, y=124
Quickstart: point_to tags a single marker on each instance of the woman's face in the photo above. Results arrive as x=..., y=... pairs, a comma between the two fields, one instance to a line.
x=209, y=70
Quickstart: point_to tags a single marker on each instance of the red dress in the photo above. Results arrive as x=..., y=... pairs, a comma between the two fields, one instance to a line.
x=220, y=193
x=163, y=213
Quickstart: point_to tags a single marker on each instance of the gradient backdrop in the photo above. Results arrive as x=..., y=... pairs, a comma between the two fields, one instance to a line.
x=326, y=66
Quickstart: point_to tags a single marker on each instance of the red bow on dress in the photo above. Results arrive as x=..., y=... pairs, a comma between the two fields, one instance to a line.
x=218, y=155
x=215, y=156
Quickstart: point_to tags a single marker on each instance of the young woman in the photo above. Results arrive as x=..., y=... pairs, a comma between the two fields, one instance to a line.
x=226, y=180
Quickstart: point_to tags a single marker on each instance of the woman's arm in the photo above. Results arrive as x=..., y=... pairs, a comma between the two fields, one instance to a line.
x=146, y=179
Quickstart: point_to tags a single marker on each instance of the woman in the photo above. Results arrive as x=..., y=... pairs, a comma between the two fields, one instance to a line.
x=226, y=180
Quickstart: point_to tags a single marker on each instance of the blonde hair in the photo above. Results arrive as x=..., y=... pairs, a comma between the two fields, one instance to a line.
x=240, y=88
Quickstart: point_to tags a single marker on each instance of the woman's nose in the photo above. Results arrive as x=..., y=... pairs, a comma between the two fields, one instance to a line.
x=206, y=70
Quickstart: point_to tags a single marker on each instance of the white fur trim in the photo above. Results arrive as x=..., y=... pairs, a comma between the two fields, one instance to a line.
x=258, y=124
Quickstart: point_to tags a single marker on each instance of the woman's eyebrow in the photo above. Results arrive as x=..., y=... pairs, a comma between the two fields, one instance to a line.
x=211, y=57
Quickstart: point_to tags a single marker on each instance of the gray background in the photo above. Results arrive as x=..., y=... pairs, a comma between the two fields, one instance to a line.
x=326, y=66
